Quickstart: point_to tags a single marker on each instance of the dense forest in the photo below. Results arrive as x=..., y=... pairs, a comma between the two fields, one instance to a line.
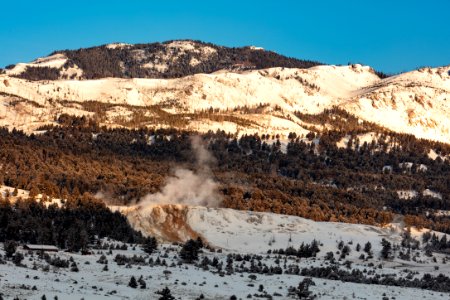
x=142, y=61
x=77, y=223
x=313, y=178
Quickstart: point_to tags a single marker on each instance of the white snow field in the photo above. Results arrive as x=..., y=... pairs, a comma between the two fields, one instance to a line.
x=185, y=281
x=255, y=232
x=233, y=232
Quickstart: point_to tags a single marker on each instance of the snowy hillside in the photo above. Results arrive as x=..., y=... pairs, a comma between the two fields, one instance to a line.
x=309, y=90
x=221, y=173
x=279, y=91
x=186, y=282
x=251, y=232
x=171, y=59
x=415, y=102
x=238, y=242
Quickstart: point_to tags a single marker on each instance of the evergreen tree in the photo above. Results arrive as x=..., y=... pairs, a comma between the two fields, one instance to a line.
x=33, y=192
x=10, y=248
x=133, y=283
x=150, y=245
x=386, y=251
x=74, y=267
x=199, y=242
x=165, y=294
x=17, y=259
x=142, y=283
x=189, y=251
x=77, y=238
x=302, y=291
x=368, y=248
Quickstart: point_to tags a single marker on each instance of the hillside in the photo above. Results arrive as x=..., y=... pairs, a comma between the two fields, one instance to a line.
x=334, y=176
x=222, y=172
x=170, y=59
x=252, y=101
x=248, y=253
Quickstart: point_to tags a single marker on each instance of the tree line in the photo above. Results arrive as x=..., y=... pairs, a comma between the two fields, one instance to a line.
x=316, y=180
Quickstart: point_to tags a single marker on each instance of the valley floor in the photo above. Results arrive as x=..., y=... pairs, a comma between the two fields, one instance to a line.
x=244, y=246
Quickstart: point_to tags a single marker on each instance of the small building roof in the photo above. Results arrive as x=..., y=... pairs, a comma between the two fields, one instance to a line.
x=41, y=247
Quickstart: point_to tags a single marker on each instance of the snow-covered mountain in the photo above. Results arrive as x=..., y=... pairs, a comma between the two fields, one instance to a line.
x=394, y=182
x=171, y=59
x=245, y=100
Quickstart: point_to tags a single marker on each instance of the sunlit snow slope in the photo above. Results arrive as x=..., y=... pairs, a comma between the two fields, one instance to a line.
x=416, y=102
x=251, y=232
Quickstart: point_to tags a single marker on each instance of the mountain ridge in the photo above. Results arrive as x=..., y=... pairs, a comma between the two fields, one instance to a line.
x=170, y=59
x=264, y=100
x=208, y=87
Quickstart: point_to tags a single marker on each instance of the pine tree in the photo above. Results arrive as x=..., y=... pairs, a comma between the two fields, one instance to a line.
x=77, y=238
x=133, y=283
x=150, y=245
x=17, y=259
x=165, y=294
x=74, y=267
x=368, y=248
x=386, y=251
x=199, y=242
x=142, y=283
x=10, y=248
x=33, y=192
x=302, y=291
x=189, y=252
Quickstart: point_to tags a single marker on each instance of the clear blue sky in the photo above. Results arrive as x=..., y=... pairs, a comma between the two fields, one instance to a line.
x=391, y=36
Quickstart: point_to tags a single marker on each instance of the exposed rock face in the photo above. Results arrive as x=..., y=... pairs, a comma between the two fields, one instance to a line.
x=166, y=222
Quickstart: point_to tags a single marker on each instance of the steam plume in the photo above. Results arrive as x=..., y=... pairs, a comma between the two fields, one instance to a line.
x=196, y=188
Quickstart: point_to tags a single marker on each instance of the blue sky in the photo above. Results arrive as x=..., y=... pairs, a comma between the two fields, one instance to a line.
x=391, y=36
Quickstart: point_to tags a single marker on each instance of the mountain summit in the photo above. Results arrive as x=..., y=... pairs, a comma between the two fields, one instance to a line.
x=170, y=59
x=198, y=86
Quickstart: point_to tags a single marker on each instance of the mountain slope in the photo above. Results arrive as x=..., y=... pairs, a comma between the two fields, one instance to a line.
x=263, y=100
x=254, y=232
x=199, y=86
x=416, y=102
x=170, y=59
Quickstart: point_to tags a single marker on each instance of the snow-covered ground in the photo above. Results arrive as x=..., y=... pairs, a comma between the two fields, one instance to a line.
x=232, y=232
x=185, y=281
x=415, y=102
x=8, y=192
x=255, y=232
x=432, y=194
x=406, y=194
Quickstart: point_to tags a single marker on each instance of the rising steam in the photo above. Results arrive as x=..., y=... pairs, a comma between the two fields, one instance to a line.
x=196, y=188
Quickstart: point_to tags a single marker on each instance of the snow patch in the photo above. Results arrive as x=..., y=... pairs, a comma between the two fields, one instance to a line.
x=406, y=194
x=432, y=194
x=118, y=46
